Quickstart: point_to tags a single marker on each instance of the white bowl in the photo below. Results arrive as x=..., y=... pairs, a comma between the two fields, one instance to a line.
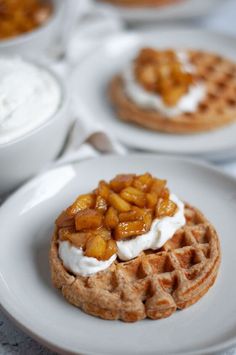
x=39, y=39
x=25, y=156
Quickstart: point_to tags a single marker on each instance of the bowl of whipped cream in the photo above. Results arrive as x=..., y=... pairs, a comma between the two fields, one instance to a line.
x=34, y=119
x=30, y=27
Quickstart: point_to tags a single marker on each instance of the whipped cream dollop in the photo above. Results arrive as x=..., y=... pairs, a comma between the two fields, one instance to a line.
x=29, y=96
x=161, y=230
x=74, y=259
x=148, y=100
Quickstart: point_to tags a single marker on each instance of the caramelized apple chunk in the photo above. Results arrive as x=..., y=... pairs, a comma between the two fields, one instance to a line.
x=171, y=97
x=111, y=218
x=157, y=186
x=81, y=203
x=101, y=204
x=147, y=76
x=118, y=202
x=64, y=233
x=152, y=199
x=121, y=181
x=96, y=247
x=138, y=214
x=126, y=230
x=147, y=218
x=111, y=249
x=63, y=220
x=103, y=189
x=88, y=219
x=165, y=194
x=143, y=182
x=103, y=232
x=79, y=240
x=166, y=208
x=134, y=196
x=148, y=55
x=133, y=215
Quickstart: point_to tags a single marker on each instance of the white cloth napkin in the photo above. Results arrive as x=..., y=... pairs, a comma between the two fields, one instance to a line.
x=86, y=141
x=88, y=28
x=93, y=26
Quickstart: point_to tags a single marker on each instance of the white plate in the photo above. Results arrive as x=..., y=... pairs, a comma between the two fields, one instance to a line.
x=26, y=293
x=91, y=78
x=185, y=9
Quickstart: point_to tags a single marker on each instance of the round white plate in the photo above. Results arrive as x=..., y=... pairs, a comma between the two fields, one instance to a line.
x=185, y=9
x=26, y=293
x=91, y=78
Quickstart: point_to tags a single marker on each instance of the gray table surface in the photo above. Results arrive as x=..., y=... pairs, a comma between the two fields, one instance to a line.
x=13, y=340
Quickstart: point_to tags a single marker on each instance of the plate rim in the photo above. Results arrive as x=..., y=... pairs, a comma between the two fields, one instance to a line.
x=127, y=14
x=14, y=316
x=210, y=153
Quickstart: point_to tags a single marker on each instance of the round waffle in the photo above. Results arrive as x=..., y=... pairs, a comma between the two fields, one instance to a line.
x=153, y=285
x=216, y=110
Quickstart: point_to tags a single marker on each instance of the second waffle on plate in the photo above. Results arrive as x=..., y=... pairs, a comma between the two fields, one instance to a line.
x=176, y=91
x=170, y=91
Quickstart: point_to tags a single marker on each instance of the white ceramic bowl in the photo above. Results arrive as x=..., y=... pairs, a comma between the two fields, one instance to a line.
x=25, y=156
x=38, y=40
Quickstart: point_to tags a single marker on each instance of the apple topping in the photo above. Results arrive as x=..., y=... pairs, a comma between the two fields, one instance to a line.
x=121, y=209
x=162, y=72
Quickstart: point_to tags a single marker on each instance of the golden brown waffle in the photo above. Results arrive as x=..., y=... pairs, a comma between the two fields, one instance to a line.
x=141, y=3
x=153, y=285
x=216, y=110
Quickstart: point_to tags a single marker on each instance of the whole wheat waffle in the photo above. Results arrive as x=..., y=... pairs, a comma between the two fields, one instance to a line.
x=153, y=285
x=216, y=110
x=141, y=3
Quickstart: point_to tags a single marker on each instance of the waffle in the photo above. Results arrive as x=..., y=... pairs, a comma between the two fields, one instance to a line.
x=153, y=285
x=141, y=3
x=216, y=110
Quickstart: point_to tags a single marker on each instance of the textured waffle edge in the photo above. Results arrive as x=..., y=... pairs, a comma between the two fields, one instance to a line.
x=111, y=306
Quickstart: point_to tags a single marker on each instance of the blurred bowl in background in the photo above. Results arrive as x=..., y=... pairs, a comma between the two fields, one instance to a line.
x=24, y=156
x=39, y=39
x=176, y=11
